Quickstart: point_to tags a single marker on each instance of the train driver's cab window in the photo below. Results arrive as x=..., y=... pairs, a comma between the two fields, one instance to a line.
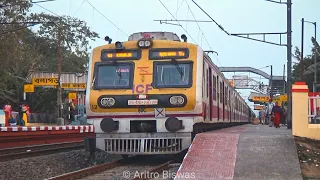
x=173, y=75
x=113, y=76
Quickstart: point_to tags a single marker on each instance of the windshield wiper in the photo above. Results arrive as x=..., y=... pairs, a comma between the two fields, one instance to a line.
x=118, y=70
x=179, y=69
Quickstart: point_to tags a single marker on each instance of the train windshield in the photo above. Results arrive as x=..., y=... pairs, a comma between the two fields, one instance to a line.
x=173, y=75
x=113, y=76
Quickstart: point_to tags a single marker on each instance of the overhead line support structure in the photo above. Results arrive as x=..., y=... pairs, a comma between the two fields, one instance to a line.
x=288, y=45
x=247, y=36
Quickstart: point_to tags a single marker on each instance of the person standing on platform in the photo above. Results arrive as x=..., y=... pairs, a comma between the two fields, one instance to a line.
x=269, y=113
x=263, y=117
x=72, y=111
x=21, y=115
x=8, y=113
x=277, y=112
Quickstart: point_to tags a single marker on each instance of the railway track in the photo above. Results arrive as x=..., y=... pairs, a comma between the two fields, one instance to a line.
x=37, y=150
x=137, y=167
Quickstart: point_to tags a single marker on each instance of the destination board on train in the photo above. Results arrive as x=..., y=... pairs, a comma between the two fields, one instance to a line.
x=160, y=53
x=107, y=55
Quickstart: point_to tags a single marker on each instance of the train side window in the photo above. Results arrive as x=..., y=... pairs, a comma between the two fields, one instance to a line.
x=229, y=100
x=221, y=92
x=203, y=80
x=237, y=104
x=214, y=88
x=226, y=95
x=207, y=78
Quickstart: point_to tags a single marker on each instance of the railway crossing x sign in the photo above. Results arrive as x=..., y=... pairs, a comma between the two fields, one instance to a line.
x=160, y=112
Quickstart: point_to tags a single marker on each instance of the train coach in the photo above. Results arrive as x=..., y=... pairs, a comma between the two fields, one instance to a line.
x=152, y=93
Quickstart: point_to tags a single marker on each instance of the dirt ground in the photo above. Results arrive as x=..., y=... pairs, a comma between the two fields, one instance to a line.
x=309, y=157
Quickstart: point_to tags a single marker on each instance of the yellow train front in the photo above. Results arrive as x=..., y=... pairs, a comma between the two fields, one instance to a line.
x=141, y=94
x=150, y=94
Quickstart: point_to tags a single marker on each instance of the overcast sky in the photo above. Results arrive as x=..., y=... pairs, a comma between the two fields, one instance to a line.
x=236, y=16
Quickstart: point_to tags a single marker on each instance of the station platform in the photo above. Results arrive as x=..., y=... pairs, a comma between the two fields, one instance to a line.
x=247, y=152
x=11, y=137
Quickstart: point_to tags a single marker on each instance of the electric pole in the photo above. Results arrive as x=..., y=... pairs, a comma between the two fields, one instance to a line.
x=302, y=41
x=315, y=56
x=289, y=63
x=59, y=78
x=271, y=84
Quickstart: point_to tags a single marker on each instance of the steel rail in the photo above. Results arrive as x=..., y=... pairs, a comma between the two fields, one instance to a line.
x=31, y=151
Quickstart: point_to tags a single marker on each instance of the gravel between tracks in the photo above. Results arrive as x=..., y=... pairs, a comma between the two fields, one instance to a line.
x=42, y=167
x=140, y=168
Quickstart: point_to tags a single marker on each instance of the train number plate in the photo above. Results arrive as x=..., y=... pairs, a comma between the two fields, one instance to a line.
x=143, y=102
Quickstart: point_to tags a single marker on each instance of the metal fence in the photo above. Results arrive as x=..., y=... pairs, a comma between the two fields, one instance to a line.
x=314, y=109
x=38, y=117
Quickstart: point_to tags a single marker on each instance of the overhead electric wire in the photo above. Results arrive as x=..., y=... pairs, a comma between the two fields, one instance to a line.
x=78, y=8
x=177, y=21
x=178, y=7
x=211, y=18
x=198, y=25
x=107, y=18
x=49, y=10
x=201, y=30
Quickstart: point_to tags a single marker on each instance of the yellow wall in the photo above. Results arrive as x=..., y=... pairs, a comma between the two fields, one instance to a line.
x=300, y=121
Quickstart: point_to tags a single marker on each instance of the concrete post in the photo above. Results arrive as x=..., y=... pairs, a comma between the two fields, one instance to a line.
x=300, y=113
x=299, y=108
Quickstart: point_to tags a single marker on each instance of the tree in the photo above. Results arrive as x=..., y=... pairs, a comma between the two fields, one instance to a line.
x=22, y=51
x=308, y=65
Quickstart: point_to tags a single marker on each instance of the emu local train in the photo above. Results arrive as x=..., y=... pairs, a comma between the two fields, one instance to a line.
x=146, y=95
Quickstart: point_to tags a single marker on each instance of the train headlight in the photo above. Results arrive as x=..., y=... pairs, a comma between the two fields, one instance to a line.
x=119, y=45
x=144, y=43
x=107, y=102
x=176, y=100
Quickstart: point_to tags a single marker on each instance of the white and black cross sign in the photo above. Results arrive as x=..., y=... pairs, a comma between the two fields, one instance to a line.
x=159, y=112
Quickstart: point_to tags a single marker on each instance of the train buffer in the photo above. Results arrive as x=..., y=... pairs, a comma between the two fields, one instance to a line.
x=242, y=152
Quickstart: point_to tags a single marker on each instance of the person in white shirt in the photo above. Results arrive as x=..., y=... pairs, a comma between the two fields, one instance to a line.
x=269, y=113
x=262, y=117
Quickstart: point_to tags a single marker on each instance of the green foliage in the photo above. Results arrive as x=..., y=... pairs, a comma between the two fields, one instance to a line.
x=307, y=66
x=22, y=51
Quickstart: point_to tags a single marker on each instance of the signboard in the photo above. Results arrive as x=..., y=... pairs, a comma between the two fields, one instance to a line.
x=256, y=107
x=276, y=99
x=73, y=85
x=261, y=98
x=45, y=81
x=284, y=98
x=72, y=95
x=168, y=53
x=241, y=81
x=28, y=88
